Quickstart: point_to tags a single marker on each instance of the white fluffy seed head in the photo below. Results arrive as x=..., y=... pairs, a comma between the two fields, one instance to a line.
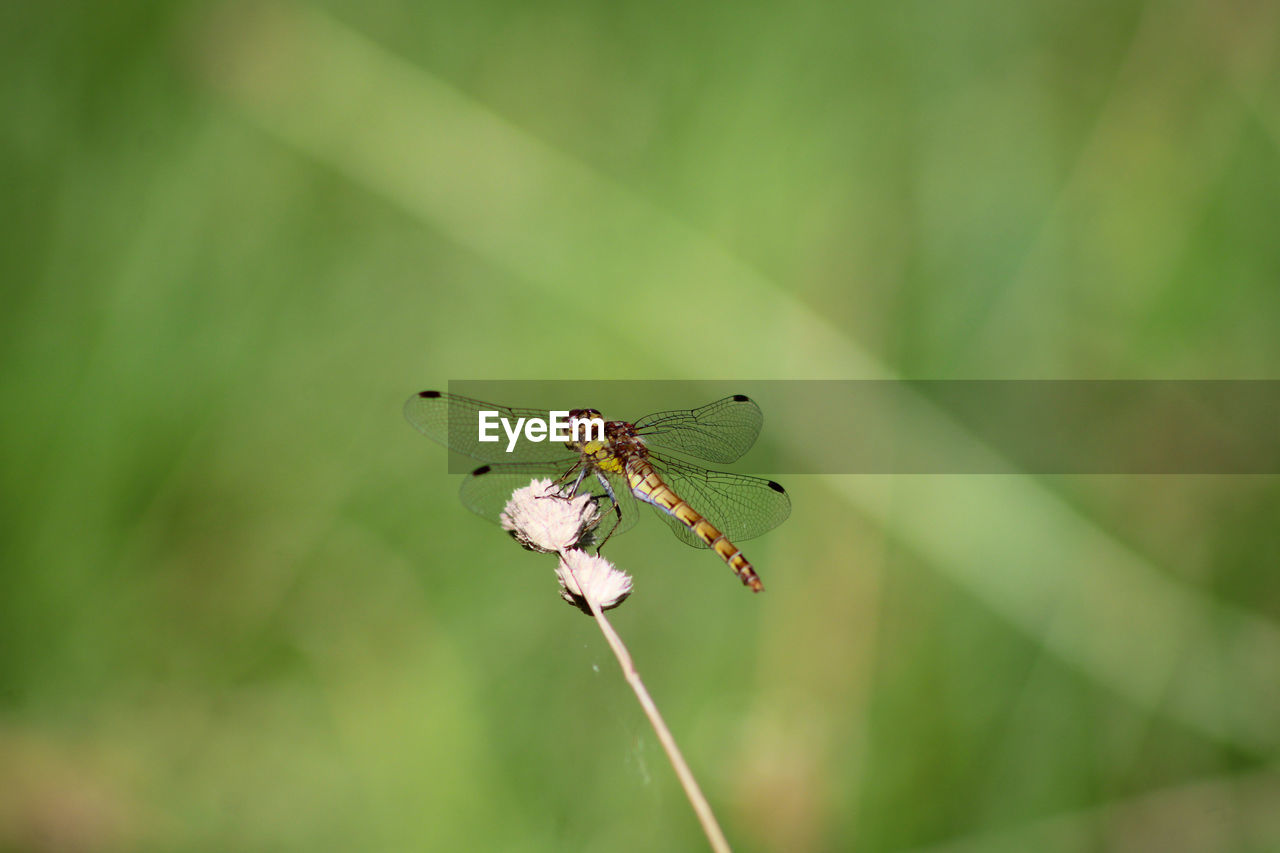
x=544, y=517
x=586, y=576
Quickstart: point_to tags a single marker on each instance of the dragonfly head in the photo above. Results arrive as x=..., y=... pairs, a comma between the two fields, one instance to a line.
x=586, y=429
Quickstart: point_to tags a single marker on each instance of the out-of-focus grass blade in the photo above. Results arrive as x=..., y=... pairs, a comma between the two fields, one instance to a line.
x=1234, y=812
x=404, y=134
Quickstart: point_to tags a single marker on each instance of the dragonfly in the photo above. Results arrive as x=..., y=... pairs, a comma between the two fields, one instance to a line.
x=630, y=463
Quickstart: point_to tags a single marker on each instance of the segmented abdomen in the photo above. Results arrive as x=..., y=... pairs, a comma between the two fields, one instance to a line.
x=648, y=486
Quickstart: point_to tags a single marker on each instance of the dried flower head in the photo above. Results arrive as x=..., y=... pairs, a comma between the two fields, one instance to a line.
x=586, y=576
x=544, y=517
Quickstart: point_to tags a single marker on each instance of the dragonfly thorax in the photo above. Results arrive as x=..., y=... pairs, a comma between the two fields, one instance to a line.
x=622, y=444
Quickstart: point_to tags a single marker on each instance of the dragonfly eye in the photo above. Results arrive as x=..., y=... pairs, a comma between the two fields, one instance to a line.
x=585, y=425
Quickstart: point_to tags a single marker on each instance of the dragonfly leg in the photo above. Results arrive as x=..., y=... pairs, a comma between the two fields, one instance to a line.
x=559, y=481
x=617, y=508
x=582, y=473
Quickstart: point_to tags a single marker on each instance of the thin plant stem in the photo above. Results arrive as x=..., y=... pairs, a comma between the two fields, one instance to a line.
x=699, y=802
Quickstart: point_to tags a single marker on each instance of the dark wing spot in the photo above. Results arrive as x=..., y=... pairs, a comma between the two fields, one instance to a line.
x=741, y=398
x=776, y=487
x=484, y=469
x=430, y=395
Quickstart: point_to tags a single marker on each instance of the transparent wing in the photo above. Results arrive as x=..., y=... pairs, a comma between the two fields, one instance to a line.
x=486, y=491
x=742, y=507
x=718, y=432
x=454, y=421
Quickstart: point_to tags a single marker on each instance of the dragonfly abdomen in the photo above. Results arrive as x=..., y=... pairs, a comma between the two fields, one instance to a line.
x=649, y=487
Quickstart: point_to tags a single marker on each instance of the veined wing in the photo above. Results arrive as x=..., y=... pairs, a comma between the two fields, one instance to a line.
x=741, y=507
x=718, y=432
x=486, y=491
x=454, y=421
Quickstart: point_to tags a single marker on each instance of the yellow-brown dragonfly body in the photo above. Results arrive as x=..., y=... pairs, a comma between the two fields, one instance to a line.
x=704, y=508
x=624, y=452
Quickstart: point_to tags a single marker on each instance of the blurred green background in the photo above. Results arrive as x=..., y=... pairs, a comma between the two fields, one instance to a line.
x=242, y=608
